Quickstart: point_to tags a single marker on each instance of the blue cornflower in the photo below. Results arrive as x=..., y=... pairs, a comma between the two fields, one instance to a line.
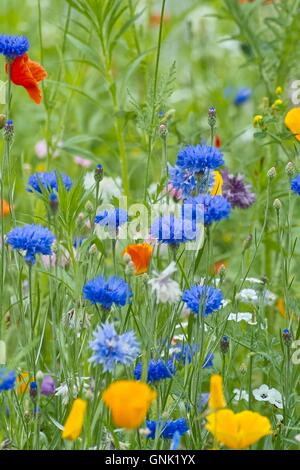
x=203, y=299
x=13, y=46
x=157, y=370
x=295, y=184
x=215, y=208
x=106, y=292
x=183, y=180
x=110, y=348
x=49, y=181
x=33, y=239
x=112, y=219
x=198, y=158
x=185, y=352
x=7, y=379
x=167, y=429
x=172, y=230
x=175, y=441
x=242, y=95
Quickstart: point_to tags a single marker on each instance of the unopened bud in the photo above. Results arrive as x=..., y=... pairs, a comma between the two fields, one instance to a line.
x=93, y=249
x=2, y=120
x=277, y=204
x=98, y=173
x=163, y=131
x=247, y=242
x=287, y=337
x=33, y=390
x=222, y=272
x=9, y=130
x=271, y=173
x=212, y=116
x=39, y=376
x=243, y=369
x=89, y=207
x=53, y=203
x=290, y=169
x=224, y=344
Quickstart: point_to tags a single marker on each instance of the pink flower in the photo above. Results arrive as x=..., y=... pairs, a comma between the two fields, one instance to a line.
x=176, y=194
x=83, y=162
x=41, y=149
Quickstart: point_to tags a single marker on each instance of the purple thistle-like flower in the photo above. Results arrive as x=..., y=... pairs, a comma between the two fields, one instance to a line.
x=236, y=191
x=48, y=386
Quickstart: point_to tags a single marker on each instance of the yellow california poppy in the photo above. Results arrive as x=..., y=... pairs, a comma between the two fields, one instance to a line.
x=74, y=422
x=129, y=401
x=216, y=395
x=292, y=121
x=218, y=183
x=238, y=430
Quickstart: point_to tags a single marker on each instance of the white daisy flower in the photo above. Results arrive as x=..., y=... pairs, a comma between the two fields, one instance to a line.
x=166, y=289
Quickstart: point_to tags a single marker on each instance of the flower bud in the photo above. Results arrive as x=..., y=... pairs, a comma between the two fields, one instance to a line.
x=287, y=337
x=39, y=376
x=53, y=203
x=93, y=249
x=163, y=131
x=247, y=242
x=243, y=369
x=290, y=169
x=278, y=90
x=212, y=116
x=271, y=173
x=89, y=207
x=224, y=344
x=277, y=204
x=98, y=173
x=9, y=131
x=33, y=390
x=2, y=120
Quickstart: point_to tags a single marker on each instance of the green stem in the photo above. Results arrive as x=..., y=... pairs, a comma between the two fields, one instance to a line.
x=152, y=134
x=31, y=318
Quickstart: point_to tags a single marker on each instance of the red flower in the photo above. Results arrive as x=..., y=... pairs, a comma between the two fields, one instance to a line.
x=218, y=141
x=26, y=73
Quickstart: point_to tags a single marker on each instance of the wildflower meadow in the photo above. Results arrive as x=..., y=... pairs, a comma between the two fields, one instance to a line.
x=150, y=221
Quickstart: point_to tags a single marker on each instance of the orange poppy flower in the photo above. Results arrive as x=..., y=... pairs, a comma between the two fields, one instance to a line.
x=140, y=255
x=5, y=208
x=280, y=306
x=28, y=74
x=154, y=19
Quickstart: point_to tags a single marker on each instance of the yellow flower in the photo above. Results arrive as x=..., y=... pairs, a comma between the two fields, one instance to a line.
x=74, y=423
x=217, y=188
x=129, y=401
x=40, y=167
x=140, y=255
x=292, y=121
x=216, y=395
x=277, y=103
x=238, y=430
x=278, y=90
x=257, y=120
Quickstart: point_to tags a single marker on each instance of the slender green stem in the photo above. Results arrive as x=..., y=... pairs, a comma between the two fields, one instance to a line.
x=31, y=318
x=154, y=110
